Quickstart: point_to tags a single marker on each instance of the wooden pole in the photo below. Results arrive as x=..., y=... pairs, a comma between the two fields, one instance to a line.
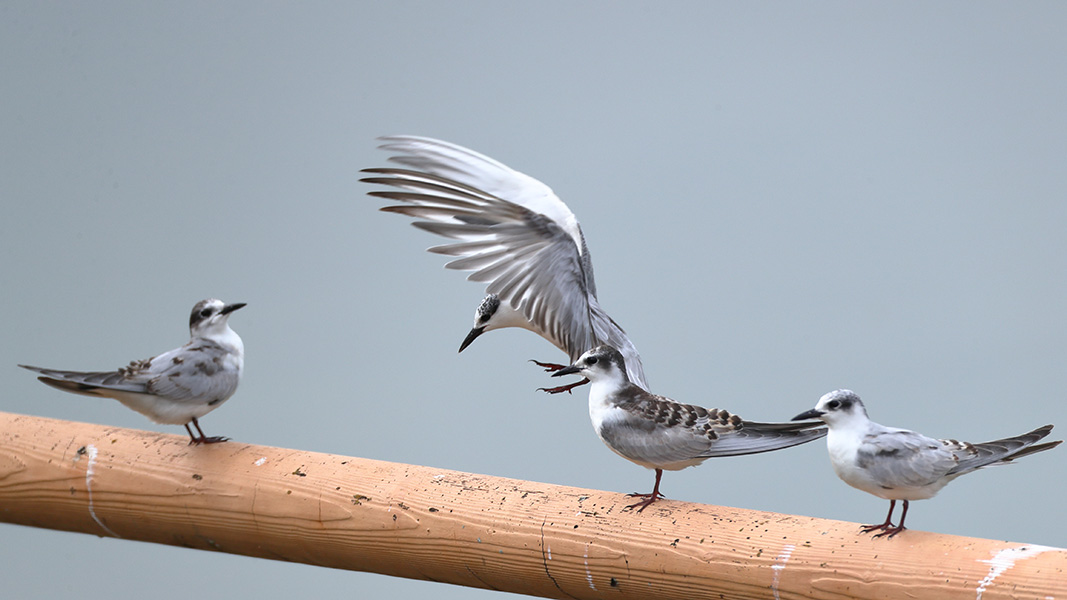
x=476, y=530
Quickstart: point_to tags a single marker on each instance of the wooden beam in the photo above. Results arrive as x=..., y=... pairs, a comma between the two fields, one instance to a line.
x=476, y=530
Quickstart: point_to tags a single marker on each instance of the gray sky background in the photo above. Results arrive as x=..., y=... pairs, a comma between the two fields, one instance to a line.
x=780, y=199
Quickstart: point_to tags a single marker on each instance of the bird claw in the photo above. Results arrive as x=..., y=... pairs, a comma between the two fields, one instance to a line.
x=551, y=367
x=889, y=531
x=215, y=439
x=563, y=388
x=886, y=528
x=548, y=367
x=648, y=500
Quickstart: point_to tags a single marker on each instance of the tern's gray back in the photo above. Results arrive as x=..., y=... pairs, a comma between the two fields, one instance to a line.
x=201, y=370
x=901, y=458
x=656, y=430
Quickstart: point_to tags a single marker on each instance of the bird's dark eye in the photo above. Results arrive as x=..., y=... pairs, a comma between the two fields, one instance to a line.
x=483, y=318
x=591, y=360
x=205, y=313
x=833, y=404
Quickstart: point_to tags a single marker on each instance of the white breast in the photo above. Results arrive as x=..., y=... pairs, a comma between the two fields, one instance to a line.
x=843, y=446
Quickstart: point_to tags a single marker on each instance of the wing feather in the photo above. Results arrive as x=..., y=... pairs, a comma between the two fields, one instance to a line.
x=512, y=232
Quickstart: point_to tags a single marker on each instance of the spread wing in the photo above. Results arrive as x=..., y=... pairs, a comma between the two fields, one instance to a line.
x=509, y=229
x=513, y=232
x=474, y=170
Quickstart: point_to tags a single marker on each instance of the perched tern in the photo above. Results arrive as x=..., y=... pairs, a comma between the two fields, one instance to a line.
x=897, y=464
x=516, y=235
x=661, y=434
x=176, y=387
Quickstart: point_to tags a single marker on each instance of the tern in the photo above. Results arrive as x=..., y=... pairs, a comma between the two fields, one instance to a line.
x=176, y=387
x=514, y=233
x=661, y=434
x=897, y=464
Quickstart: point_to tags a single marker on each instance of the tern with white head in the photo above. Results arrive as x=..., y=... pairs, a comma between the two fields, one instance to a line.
x=176, y=387
x=898, y=464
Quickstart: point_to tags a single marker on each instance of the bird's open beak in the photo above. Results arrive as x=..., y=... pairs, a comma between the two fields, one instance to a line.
x=229, y=308
x=567, y=371
x=473, y=335
x=808, y=414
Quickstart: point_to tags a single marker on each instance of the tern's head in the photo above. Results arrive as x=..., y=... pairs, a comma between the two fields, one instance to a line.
x=602, y=363
x=209, y=317
x=493, y=313
x=483, y=319
x=839, y=407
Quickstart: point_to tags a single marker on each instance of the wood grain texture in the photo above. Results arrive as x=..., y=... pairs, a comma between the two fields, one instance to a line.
x=476, y=530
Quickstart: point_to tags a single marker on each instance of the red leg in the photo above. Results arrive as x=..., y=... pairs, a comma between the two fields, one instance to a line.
x=648, y=498
x=891, y=531
x=203, y=439
x=549, y=367
x=192, y=438
x=563, y=388
x=888, y=520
